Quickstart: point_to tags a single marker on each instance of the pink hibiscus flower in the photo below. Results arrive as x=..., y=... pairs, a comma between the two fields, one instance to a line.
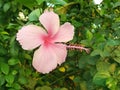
x=51, y=51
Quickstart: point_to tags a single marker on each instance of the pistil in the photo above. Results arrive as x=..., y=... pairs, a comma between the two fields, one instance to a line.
x=77, y=47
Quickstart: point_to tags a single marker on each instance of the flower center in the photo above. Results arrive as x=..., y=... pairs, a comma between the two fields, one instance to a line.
x=47, y=40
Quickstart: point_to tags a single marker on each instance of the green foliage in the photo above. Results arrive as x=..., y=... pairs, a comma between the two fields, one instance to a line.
x=34, y=15
x=4, y=68
x=96, y=27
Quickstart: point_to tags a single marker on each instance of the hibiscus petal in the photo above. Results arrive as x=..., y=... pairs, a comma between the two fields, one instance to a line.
x=45, y=59
x=50, y=21
x=65, y=33
x=61, y=52
x=30, y=36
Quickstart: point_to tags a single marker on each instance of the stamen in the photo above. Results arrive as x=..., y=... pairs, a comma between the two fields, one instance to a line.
x=77, y=47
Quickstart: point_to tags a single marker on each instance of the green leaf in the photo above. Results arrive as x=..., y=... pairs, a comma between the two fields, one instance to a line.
x=9, y=78
x=14, y=72
x=76, y=23
x=4, y=33
x=117, y=59
x=13, y=46
x=99, y=38
x=34, y=15
x=89, y=35
x=3, y=51
x=28, y=3
x=83, y=85
x=116, y=4
x=13, y=61
x=86, y=59
x=27, y=56
x=82, y=62
x=112, y=42
x=63, y=89
x=22, y=80
x=100, y=78
x=4, y=68
x=1, y=3
x=112, y=68
x=86, y=42
x=38, y=88
x=104, y=53
x=59, y=2
x=2, y=80
x=45, y=88
x=92, y=60
x=57, y=88
x=16, y=86
x=6, y=7
x=112, y=83
x=95, y=52
x=9, y=85
x=40, y=1
x=103, y=66
x=77, y=79
x=116, y=54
